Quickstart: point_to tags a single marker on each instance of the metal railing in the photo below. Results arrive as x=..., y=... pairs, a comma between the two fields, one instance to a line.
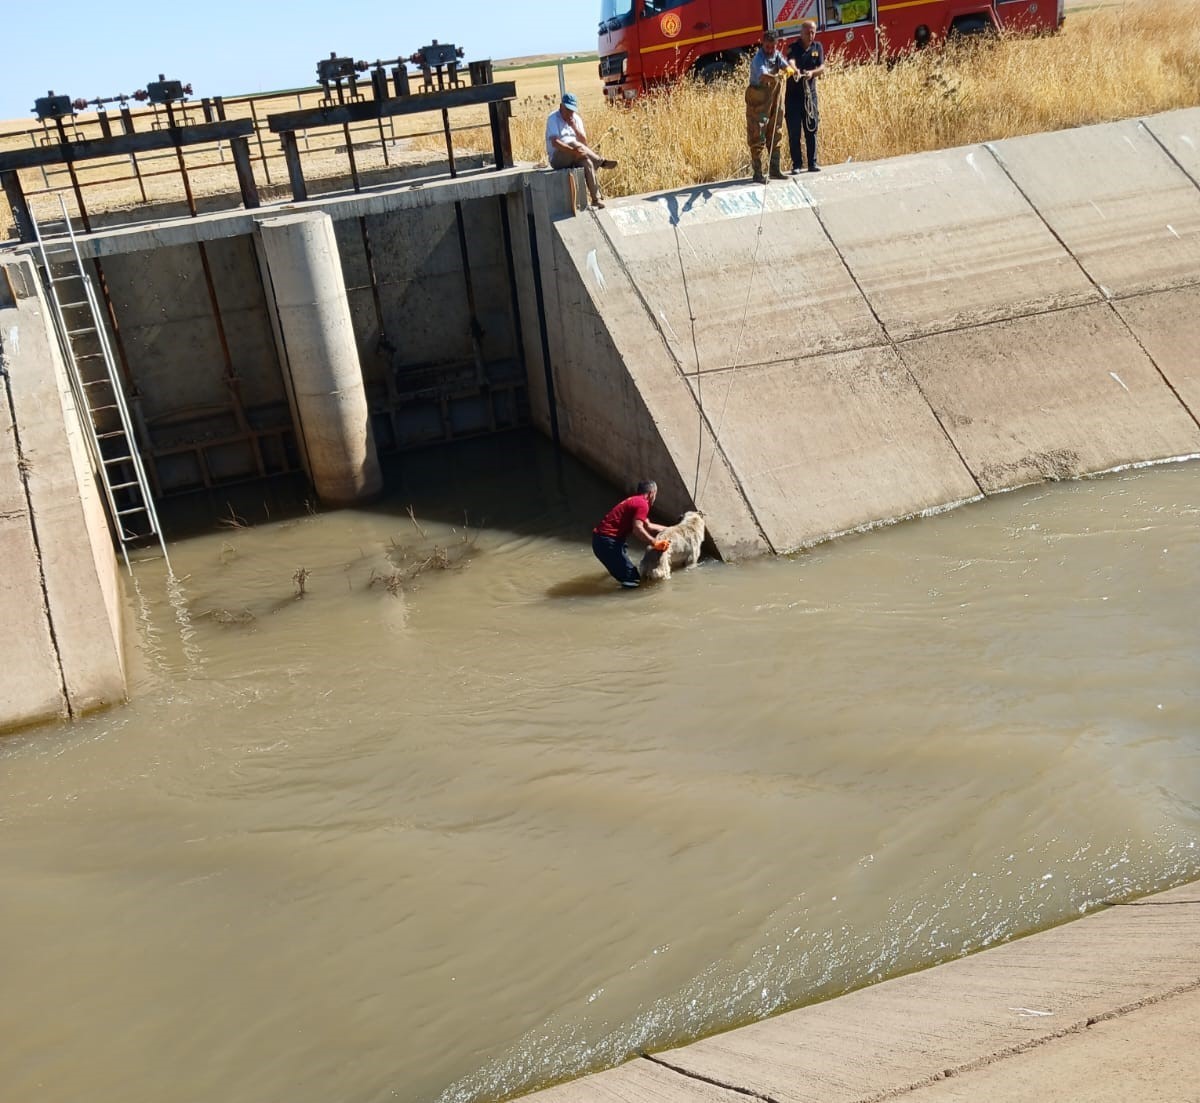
x=381, y=147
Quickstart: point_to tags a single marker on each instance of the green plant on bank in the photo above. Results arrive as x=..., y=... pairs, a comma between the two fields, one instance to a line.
x=1112, y=63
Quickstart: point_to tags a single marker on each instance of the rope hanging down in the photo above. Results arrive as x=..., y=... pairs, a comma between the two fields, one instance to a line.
x=762, y=210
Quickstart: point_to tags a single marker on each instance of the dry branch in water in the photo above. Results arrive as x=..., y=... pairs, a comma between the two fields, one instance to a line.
x=228, y=616
x=413, y=518
x=393, y=582
x=412, y=562
x=234, y=520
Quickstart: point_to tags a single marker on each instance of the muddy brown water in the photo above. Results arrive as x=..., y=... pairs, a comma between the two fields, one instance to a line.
x=510, y=824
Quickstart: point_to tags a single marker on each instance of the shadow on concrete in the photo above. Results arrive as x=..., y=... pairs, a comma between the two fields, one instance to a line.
x=679, y=201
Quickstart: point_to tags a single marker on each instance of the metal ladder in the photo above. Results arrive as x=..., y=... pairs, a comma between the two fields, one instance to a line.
x=95, y=382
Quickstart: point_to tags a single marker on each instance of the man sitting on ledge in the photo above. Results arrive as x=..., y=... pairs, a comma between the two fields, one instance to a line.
x=566, y=145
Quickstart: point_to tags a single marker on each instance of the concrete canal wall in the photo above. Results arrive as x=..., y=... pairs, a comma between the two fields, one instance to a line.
x=881, y=340
x=60, y=599
x=1106, y=1009
x=830, y=352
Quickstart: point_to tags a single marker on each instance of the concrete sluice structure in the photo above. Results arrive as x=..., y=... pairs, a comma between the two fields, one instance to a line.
x=801, y=361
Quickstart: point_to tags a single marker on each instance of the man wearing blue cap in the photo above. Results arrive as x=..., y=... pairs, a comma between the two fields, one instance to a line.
x=566, y=145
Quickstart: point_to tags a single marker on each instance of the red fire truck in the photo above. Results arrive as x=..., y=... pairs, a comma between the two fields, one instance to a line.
x=649, y=42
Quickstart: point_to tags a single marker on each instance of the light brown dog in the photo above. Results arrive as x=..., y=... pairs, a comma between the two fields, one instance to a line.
x=683, y=547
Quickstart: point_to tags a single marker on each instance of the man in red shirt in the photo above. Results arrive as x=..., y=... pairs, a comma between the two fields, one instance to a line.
x=608, y=537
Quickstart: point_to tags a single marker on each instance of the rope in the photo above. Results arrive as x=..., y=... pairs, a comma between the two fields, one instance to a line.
x=774, y=117
x=745, y=312
x=737, y=350
x=687, y=298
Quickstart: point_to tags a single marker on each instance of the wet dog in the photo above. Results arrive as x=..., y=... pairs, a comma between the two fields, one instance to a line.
x=677, y=546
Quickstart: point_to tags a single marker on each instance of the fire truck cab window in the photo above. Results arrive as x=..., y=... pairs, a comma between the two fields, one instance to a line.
x=840, y=12
x=657, y=7
x=615, y=14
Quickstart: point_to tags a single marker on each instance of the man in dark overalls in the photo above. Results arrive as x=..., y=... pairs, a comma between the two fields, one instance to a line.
x=800, y=103
x=763, y=121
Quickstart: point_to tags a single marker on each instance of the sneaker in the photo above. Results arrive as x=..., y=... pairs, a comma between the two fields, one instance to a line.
x=629, y=584
x=813, y=168
x=608, y=163
x=758, y=178
x=598, y=205
x=796, y=170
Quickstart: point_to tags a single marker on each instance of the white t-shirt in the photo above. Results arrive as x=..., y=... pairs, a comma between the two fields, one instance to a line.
x=558, y=127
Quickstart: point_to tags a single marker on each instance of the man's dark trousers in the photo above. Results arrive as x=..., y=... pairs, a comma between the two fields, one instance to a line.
x=613, y=554
x=800, y=121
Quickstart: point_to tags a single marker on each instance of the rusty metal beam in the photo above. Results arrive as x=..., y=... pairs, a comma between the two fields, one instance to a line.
x=291, y=154
x=167, y=138
x=19, y=204
x=369, y=110
x=245, y=172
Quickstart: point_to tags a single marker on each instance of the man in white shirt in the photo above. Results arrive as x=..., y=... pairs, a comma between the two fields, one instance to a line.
x=566, y=145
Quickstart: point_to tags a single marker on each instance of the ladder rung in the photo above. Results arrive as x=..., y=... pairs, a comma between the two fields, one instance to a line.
x=71, y=268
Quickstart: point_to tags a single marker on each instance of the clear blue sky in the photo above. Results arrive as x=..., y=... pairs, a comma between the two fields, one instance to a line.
x=223, y=48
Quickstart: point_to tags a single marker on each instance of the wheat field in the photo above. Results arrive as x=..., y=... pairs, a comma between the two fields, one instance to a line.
x=1106, y=64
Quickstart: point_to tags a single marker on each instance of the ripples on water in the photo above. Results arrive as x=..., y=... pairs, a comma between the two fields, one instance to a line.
x=513, y=824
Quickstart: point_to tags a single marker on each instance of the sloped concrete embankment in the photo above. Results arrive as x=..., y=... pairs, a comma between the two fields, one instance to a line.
x=60, y=601
x=1104, y=1009
x=881, y=340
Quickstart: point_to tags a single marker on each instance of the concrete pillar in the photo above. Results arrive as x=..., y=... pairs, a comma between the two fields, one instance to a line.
x=320, y=357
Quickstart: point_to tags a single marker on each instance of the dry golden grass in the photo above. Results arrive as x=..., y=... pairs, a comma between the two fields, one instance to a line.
x=1111, y=63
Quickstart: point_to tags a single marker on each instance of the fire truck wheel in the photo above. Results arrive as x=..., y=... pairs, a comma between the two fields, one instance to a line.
x=715, y=70
x=970, y=24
